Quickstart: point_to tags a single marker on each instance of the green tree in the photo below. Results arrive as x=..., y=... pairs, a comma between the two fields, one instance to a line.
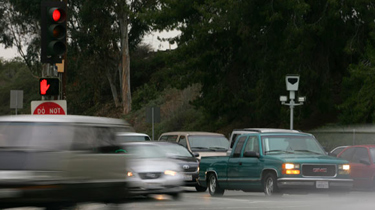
x=241, y=51
x=19, y=28
x=15, y=75
x=103, y=35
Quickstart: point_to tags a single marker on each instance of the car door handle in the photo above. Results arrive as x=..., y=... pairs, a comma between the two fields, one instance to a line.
x=240, y=163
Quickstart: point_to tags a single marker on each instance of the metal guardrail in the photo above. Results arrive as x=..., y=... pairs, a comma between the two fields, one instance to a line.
x=338, y=136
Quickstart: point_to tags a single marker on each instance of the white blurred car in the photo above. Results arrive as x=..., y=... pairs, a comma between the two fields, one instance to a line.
x=150, y=171
x=58, y=161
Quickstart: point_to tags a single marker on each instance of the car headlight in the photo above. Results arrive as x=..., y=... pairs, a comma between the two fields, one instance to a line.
x=290, y=168
x=129, y=174
x=344, y=169
x=170, y=172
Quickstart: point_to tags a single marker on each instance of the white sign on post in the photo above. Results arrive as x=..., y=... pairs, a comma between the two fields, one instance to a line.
x=16, y=99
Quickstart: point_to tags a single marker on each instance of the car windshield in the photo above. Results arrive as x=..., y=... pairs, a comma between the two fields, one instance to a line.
x=275, y=144
x=208, y=142
x=174, y=150
x=144, y=151
x=123, y=139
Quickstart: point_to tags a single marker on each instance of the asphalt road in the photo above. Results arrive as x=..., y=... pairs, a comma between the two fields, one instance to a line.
x=237, y=200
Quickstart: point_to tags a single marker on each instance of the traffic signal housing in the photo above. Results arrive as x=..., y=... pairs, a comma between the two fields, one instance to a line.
x=53, y=34
x=49, y=86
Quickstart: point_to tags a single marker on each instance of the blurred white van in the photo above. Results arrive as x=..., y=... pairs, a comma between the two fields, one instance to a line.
x=57, y=161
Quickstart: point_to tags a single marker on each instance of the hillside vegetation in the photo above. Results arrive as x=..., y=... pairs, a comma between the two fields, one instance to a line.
x=227, y=72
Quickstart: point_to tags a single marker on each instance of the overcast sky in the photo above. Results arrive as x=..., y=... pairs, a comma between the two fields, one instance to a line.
x=151, y=39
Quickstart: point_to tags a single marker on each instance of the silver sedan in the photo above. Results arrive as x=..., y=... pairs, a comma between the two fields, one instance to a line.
x=150, y=171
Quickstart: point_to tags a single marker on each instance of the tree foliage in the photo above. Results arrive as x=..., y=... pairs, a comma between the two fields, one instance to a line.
x=241, y=51
x=238, y=51
x=14, y=75
x=20, y=28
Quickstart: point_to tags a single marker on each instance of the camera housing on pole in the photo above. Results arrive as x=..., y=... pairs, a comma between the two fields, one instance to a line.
x=292, y=83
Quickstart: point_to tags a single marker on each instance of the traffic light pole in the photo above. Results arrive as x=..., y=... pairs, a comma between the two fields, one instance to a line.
x=45, y=70
x=53, y=47
x=49, y=72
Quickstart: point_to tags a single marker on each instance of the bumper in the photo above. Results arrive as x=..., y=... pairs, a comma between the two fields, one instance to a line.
x=301, y=184
x=190, y=179
x=164, y=186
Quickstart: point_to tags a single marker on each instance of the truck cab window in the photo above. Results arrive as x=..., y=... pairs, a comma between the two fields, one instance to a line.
x=240, y=143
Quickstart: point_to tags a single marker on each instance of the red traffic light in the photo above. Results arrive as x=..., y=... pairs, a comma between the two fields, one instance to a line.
x=56, y=15
x=53, y=31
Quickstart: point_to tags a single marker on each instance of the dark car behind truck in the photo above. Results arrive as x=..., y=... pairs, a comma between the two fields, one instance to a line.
x=275, y=162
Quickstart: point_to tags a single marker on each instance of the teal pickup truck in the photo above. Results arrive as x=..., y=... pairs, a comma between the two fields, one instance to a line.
x=275, y=161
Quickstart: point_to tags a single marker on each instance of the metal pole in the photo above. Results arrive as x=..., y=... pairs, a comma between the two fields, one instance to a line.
x=291, y=114
x=153, y=119
x=16, y=101
x=291, y=105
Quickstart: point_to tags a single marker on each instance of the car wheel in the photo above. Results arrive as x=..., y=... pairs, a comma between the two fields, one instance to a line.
x=176, y=196
x=60, y=206
x=270, y=185
x=200, y=188
x=213, y=186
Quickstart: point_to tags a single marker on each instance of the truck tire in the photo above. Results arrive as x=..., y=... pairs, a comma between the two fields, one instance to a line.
x=213, y=186
x=270, y=187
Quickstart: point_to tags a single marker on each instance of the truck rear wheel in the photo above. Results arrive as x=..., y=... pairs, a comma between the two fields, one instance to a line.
x=270, y=185
x=213, y=186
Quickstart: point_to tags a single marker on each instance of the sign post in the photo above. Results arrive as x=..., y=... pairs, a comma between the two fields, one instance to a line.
x=16, y=99
x=153, y=116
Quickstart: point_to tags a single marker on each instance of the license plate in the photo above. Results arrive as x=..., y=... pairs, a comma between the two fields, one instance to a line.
x=322, y=184
x=188, y=177
x=153, y=185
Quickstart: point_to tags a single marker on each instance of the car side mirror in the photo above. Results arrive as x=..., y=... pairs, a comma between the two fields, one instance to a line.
x=251, y=154
x=196, y=154
x=364, y=161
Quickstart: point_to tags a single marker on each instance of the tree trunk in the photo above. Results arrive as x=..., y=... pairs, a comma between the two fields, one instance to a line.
x=113, y=89
x=125, y=61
